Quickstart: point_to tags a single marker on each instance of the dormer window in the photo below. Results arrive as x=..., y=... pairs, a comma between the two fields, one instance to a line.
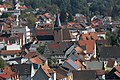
x=92, y=38
x=87, y=38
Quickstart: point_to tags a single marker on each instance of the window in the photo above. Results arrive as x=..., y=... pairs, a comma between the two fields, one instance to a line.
x=12, y=55
x=5, y=56
x=87, y=38
x=92, y=38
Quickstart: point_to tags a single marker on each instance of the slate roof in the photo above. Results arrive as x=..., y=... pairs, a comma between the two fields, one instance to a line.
x=110, y=52
x=84, y=75
x=94, y=65
x=58, y=48
x=70, y=65
x=61, y=73
x=22, y=69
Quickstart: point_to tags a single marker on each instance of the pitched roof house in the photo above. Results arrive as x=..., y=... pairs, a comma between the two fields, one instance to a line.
x=63, y=74
x=8, y=74
x=84, y=75
x=45, y=73
x=25, y=71
x=114, y=73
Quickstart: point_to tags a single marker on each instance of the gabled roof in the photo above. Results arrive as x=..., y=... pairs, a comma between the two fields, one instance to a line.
x=61, y=73
x=7, y=73
x=22, y=69
x=89, y=44
x=110, y=52
x=70, y=65
x=94, y=65
x=35, y=57
x=10, y=52
x=47, y=70
x=84, y=75
x=111, y=63
x=58, y=48
x=23, y=7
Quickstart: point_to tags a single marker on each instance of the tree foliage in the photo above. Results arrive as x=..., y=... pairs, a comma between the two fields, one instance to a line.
x=111, y=38
x=101, y=7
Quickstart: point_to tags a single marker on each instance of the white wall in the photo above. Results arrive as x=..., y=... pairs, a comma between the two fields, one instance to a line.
x=13, y=47
x=8, y=57
x=26, y=33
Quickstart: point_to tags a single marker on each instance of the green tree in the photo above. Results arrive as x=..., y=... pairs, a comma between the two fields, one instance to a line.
x=2, y=63
x=111, y=38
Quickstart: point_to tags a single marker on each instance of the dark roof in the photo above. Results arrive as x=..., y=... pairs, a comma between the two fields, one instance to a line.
x=66, y=34
x=110, y=52
x=61, y=73
x=58, y=48
x=42, y=32
x=22, y=69
x=111, y=63
x=70, y=65
x=84, y=75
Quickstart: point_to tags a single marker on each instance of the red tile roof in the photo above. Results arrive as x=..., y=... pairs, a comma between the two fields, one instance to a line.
x=117, y=73
x=23, y=7
x=6, y=52
x=111, y=63
x=89, y=44
x=5, y=76
x=36, y=60
x=31, y=55
x=117, y=68
x=47, y=15
x=77, y=62
x=100, y=72
x=47, y=70
x=7, y=72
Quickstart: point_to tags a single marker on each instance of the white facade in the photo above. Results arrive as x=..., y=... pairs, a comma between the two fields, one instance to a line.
x=102, y=35
x=7, y=57
x=26, y=33
x=13, y=47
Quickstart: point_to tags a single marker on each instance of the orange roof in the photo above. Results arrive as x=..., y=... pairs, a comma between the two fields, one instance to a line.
x=47, y=15
x=117, y=73
x=36, y=60
x=117, y=68
x=47, y=70
x=77, y=62
x=6, y=28
x=89, y=44
x=10, y=51
x=71, y=23
x=89, y=36
x=31, y=55
x=23, y=7
x=7, y=72
x=5, y=76
x=100, y=72
x=2, y=6
x=60, y=76
x=78, y=49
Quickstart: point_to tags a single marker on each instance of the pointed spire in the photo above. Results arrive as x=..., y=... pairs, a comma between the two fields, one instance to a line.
x=57, y=25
